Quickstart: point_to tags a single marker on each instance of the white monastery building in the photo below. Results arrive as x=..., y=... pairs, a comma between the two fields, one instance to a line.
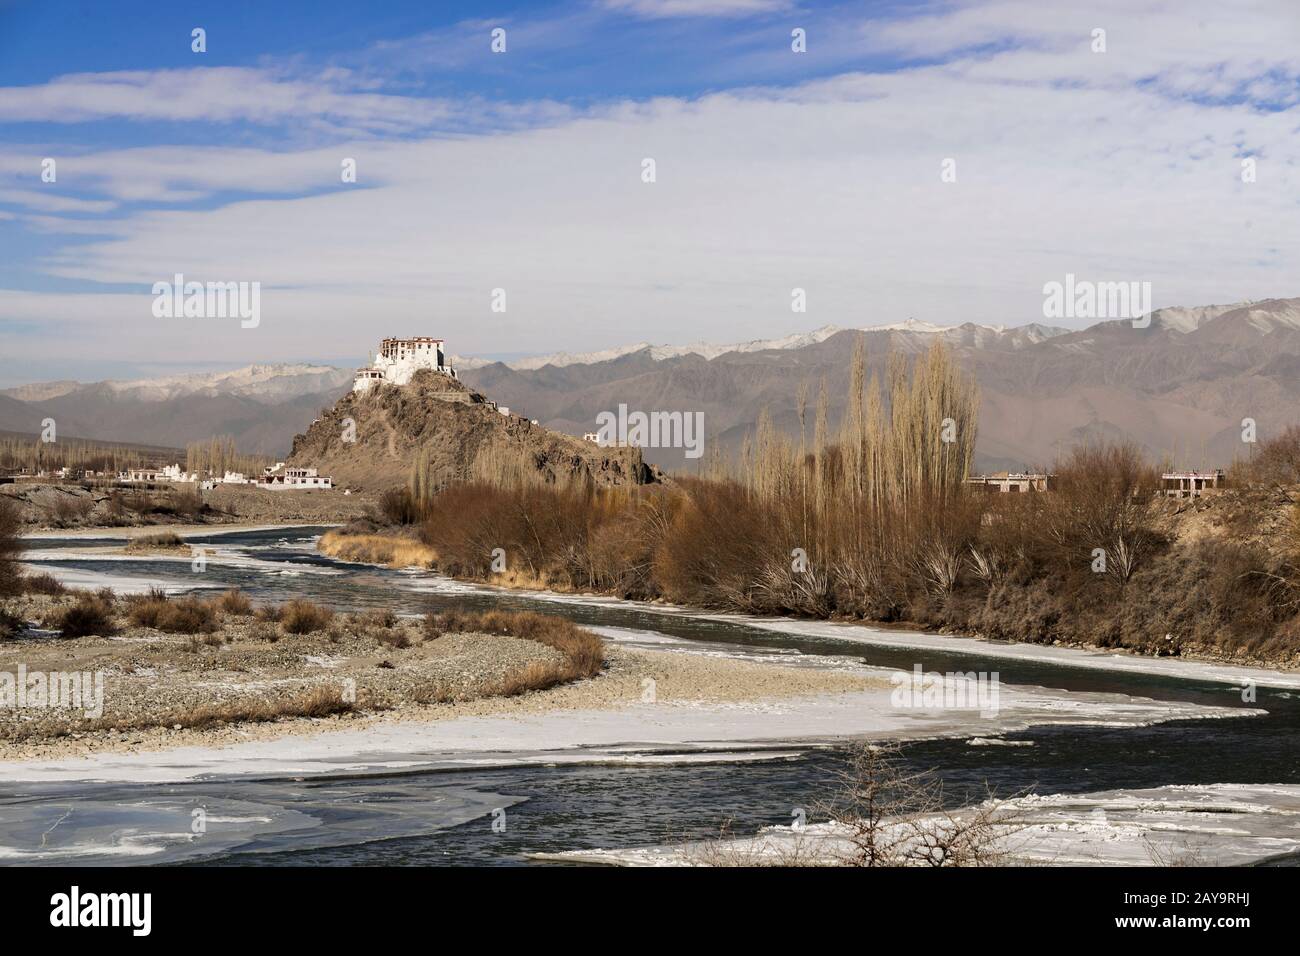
x=399, y=359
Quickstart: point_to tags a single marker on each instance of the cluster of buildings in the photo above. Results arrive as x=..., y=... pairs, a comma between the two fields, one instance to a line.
x=1012, y=481
x=275, y=477
x=1173, y=484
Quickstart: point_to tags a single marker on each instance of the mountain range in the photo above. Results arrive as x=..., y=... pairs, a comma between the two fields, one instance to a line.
x=1180, y=385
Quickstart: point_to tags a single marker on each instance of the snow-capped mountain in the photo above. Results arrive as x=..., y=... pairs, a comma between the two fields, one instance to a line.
x=275, y=382
x=1184, y=381
x=266, y=383
x=969, y=333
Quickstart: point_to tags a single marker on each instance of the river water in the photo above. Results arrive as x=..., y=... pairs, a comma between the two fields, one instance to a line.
x=448, y=817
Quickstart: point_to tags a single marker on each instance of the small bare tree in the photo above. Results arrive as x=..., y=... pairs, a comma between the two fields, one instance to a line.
x=892, y=817
x=880, y=815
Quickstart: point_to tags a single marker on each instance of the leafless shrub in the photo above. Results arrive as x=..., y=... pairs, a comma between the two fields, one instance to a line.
x=268, y=614
x=303, y=617
x=880, y=816
x=89, y=616
x=1276, y=463
x=10, y=624
x=11, y=581
x=392, y=638
x=896, y=818
x=234, y=602
x=188, y=615
x=43, y=583
x=399, y=507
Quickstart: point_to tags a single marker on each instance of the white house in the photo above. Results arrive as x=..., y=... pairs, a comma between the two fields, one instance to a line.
x=296, y=479
x=399, y=359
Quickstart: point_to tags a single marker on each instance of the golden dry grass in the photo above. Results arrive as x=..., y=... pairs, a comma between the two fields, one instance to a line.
x=158, y=541
x=390, y=551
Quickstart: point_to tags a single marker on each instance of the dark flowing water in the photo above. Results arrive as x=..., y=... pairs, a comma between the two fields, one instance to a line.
x=447, y=817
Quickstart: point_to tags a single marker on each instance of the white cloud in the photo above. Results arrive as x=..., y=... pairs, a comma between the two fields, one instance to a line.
x=1065, y=161
x=331, y=101
x=51, y=201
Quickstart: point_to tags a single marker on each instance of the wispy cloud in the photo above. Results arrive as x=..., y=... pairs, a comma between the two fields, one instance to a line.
x=1122, y=164
x=331, y=101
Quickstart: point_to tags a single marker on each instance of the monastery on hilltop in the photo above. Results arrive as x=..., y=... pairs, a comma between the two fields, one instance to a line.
x=399, y=359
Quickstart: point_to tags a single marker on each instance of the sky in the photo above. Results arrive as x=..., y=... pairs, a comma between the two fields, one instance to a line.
x=939, y=161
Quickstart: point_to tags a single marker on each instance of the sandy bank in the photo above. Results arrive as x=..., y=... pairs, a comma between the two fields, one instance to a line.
x=702, y=708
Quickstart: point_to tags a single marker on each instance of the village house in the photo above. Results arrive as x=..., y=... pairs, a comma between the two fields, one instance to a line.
x=1013, y=482
x=1190, y=484
x=398, y=361
x=140, y=475
x=295, y=479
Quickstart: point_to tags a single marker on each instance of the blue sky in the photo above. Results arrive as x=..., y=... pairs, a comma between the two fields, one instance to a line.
x=522, y=170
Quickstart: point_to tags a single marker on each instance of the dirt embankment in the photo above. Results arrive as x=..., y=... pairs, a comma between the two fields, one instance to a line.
x=372, y=440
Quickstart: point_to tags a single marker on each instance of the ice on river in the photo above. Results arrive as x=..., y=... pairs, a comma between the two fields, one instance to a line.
x=1210, y=825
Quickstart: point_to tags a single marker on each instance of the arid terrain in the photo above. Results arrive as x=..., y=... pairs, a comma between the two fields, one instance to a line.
x=242, y=673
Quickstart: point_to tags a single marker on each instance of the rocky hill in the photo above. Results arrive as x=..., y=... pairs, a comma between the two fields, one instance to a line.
x=459, y=435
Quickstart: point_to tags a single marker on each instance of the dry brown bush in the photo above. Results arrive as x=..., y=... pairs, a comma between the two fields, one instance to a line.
x=43, y=583
x=1103, y=499
x=234, y=602
x=156, y=540
x=1277, y=462
x=303, y=617
x=187, y=615
x=268, y=614
x=10, y=546
x=89, y=616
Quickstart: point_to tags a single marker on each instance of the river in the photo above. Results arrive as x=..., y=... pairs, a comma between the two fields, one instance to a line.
x=447, y=816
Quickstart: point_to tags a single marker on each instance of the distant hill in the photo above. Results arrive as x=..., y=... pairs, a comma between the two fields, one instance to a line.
x=261, y=406
x=1180, y=387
